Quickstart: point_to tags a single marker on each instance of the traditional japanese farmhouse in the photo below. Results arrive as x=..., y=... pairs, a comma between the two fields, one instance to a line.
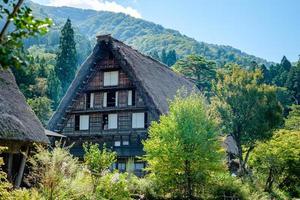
x=19, y=128
x=115, y=95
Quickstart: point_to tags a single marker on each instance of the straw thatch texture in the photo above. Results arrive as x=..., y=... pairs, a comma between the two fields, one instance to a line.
x=17, y=120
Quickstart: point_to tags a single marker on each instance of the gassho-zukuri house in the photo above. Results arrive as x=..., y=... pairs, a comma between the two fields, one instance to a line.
x=115, y=95
x=20, y=129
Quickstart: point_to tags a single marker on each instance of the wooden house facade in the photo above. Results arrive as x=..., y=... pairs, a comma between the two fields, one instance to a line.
x=115, y=95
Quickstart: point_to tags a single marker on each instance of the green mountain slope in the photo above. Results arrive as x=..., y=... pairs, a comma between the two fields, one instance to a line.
x=142, y=35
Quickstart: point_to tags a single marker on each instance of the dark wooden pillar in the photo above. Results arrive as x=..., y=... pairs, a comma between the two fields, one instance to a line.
x=9, y=166
x=21, y=169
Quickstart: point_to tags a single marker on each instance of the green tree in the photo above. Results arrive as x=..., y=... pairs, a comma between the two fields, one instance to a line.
x=154, y=55
x=42, y=108
x=66, y=60
x=279, y=72
x=248, y=109
x=163, y=57
x=292, y=122
x=18, y=24
x=182, y=150
x=43, y=68
x=197, y=68
x=293, y=82
x=54, y=89
x=278, y=161
x=171, y=58
x=98, y=161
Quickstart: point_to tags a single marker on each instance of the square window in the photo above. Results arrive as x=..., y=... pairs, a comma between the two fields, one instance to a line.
x=138, y=166
x=138, y=120
x=112, y=121
x=111, y=78
x=122, y=166
x=84, y=122
x=125, y=142
x=117, y=143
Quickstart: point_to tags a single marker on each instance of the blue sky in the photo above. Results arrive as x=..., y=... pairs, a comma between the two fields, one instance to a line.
x=264, y=28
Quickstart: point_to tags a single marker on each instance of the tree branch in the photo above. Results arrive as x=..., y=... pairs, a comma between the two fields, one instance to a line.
x=15, y=10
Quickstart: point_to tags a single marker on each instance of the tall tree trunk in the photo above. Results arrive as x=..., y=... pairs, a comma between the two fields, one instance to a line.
x=269, y=182
x=246, y=158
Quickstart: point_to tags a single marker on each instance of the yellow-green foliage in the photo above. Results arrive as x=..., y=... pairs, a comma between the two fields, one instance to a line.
x=293, y=120
x=223, y=185
x=4, y=184
x=113, y=186
x=277, y=162
x=98, y=160
x=183, y=148
x=59, y=175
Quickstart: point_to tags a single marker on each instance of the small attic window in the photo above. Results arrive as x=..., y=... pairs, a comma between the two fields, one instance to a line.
x=110, y=55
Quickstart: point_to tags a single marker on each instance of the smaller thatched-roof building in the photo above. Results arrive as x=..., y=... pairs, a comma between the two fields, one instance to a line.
x=19, y=127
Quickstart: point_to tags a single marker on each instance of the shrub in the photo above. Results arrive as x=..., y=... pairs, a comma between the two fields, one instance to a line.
x=113, y=186
x=4, y=184
x=223, y=186
x=58, y=175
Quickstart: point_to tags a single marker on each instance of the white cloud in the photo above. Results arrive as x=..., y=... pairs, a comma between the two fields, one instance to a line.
x=97, y=5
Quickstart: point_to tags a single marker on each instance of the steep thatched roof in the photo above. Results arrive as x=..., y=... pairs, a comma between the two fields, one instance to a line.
x=17, y=120
x=158, y=82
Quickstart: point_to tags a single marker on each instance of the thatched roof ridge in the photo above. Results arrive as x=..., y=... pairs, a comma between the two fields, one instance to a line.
x=17, y=120
x=157, y=81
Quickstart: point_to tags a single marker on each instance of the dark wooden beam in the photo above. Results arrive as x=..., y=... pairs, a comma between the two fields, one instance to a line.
x=21, y=169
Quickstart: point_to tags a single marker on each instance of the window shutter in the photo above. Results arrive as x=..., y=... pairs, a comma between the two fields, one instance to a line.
x=138, y=120
x=116, y=99
x=105, y=99
x=133, y=120
x=106, y=78
x=140, y=123
x=92, y=97
x=111, y=78
x=112, y=121
x=84, y=122
x=129, y=100
x=114, y=78
x=117, y=143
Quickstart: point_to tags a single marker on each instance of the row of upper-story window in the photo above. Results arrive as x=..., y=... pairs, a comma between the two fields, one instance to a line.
x=110, y=121
x=110, y=99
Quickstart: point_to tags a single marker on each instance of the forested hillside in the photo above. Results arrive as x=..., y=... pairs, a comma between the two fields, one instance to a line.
x=145, y=36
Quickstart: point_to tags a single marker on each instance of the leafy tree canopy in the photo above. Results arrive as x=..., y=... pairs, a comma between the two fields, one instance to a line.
x=198, y=69
x=278, y=161
x=18, y=24
x=248, y=108
x=183, y=149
